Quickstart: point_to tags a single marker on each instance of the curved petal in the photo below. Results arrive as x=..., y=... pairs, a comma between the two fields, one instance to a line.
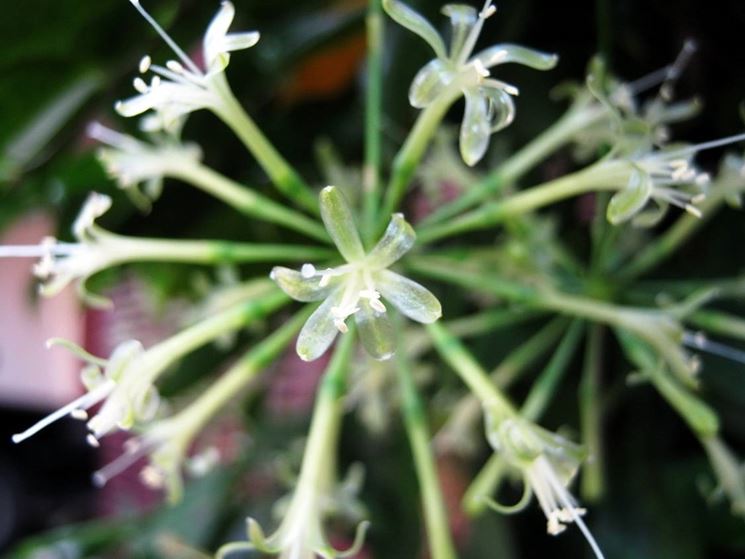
x=135, y=105
x=501, y=107
x=397, y=240
x=627, y=202
x=319, y=331
x=301, y=287
x=339, y=221
x=462, y=19
x=414, y=22
x=504, y=53
x=408, y=296
x=216, y=31
x=475, y=129
x=376, y=331
x=429, y=83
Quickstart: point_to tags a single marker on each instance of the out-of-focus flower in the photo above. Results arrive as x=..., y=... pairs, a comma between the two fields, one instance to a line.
x=181, y=87
x=489, y=105
x=356, y=287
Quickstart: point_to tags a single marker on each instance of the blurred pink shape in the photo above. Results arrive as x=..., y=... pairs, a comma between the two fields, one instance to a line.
x=30, y=375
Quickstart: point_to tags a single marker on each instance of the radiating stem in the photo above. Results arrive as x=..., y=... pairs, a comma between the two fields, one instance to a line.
x=246, y=200
x=373, y=113
x=520, y=163
x=282, y=175
x=435, y=512
x=142, y=249
x=591, y=416
x=601, y=176
x=410, y=154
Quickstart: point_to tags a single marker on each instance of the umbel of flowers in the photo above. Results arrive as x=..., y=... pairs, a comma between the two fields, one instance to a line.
x=346, y=276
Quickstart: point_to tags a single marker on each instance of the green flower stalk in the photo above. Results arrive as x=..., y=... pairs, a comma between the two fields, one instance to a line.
x=98, y=249
x=167, y=441
x=356, y=288
x=125, y=383
x=300, y=535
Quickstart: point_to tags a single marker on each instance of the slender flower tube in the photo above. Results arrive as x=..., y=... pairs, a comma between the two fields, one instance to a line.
x=489, y=105
x=124, y=383
x=356, y=287
x=300, y=534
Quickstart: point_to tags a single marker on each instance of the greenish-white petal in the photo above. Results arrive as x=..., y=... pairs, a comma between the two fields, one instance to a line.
x=504, y=53
x=475, y=129
x=410, y=298
x=414, y=22
x=501, y=107
x=376, y=331
x=339, y=221
x=429, y=83
x=652, y=215
x=319, y=330
x=397, y=240
x=627, y=202
x=216, y=31
x=121, y=358
x=303, y=287
x=462, y=19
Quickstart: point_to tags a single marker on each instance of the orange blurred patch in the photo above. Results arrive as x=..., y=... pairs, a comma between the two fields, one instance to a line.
x=326, y=72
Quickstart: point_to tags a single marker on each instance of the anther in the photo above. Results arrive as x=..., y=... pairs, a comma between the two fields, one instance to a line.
x=145, y=62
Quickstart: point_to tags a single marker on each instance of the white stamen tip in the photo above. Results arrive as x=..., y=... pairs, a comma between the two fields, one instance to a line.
x=80, y=415
x=145, y=63
x=99, y=480
x=140, y=85
x=693, y=210
x=308, y=271
x=341, y=325
x=92, y=440
x=175, y=66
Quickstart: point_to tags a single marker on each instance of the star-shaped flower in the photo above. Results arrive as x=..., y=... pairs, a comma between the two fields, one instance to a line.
x=489, y=105
x=356, y=288
x=181, y=86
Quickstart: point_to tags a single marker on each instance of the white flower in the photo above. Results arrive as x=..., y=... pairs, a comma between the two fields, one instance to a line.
x=489, y=105
x=132, y=162
x=666, y=177
x=548, y=464
x=123, y=384
x=61, y=263
x=356, y=288
x=181, y=87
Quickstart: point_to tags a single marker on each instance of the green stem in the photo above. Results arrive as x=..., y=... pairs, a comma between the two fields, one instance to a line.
x=373, y=111
x=244, y=199
x=282, y=175
x=140, y=249
x=454, y=435
x=607, y=175
x=435, y=512
x=591, y=416
x=530, y=155
x=410, y=154
x=230, y=384
x=719, y=323
x=459, y=358
x=545, y=386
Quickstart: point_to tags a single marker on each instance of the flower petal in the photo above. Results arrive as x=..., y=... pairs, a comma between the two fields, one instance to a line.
x=501, y=107
x=475, y=129
x=397, y=240
x=408, y=296
x=504, y=53
x=339, y=222
x=300, y=287
x=627, y=202
x=376, y=331
x=414, y=22
x=429, y=83
x=462, y=19
x=319, y=330
x=216, y=31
